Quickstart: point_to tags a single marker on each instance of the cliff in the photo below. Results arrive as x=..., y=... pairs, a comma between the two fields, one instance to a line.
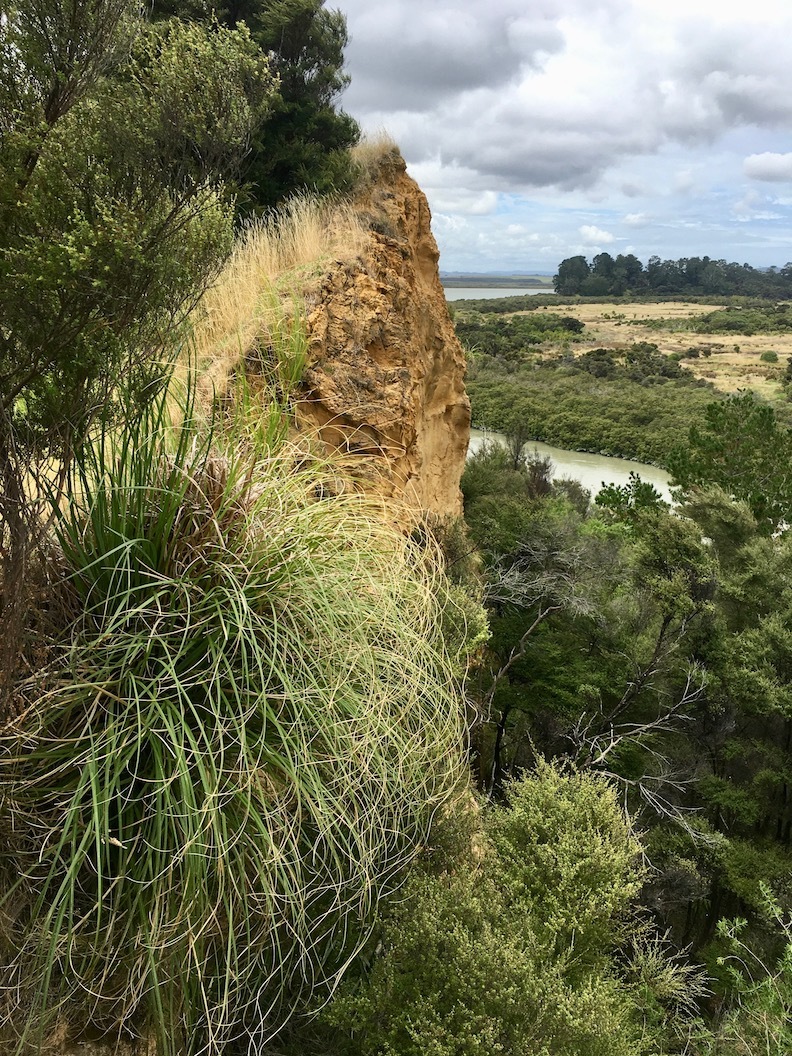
x=384, y=382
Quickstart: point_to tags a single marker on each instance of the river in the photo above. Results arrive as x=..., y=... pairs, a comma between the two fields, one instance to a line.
x=591, y=470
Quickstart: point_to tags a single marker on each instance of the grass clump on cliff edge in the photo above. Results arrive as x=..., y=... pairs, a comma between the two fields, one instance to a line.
x=238, y=724
x=259, y=293
x=369, y=154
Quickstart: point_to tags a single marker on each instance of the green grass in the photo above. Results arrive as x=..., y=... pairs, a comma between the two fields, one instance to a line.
x=238, y=724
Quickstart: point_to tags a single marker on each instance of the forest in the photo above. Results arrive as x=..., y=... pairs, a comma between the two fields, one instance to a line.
x=276, y=777
x=626, y=275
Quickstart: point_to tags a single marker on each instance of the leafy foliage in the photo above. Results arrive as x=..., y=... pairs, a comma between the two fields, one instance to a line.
x=592, y=403
x=112, y=217
x=524, y=381
x=304, y=144
x=741, y=447
x=515, y=953
x=508, y=338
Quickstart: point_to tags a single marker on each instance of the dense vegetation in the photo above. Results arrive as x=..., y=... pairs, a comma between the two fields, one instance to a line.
x=689, y=276
x=525, y=380
x=624, y=643
x=304, y=141
x=118, y=142
x=237, y=807
x=773, y=319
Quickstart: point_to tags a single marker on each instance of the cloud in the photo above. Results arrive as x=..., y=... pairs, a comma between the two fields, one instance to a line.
x=638, y=116
x=774, y=168
x=560, y=98
x=754, y=206
x=593, y=236
x=410, y=55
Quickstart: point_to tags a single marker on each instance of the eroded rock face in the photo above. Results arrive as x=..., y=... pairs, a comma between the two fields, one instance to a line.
x=385, y=376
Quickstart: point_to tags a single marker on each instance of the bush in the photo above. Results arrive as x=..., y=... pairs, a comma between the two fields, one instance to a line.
x=516, y=955
x=769, y=356
x=232, y=743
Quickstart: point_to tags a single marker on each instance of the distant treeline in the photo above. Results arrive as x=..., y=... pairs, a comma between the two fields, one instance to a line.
x=689, y=276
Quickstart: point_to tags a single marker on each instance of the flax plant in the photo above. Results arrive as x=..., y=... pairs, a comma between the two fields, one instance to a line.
x=239, y=726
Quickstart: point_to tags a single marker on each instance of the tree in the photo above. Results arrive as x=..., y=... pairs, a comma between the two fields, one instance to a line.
x=572, y=273
x=305, y=141
x=116, y=137
x=602, y=265
x=743, y=448
x=626, y=499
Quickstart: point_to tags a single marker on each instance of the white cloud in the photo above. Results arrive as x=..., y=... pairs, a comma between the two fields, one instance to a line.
x=593, y=236
x=768, y=166
x=623, y=112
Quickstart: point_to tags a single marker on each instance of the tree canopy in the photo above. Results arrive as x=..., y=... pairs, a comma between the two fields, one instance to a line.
x=305, y=140
x=608, y=276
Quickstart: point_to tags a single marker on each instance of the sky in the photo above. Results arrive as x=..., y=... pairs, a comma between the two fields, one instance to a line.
x=540, y=129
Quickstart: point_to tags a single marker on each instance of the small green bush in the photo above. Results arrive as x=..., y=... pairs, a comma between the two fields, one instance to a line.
x=515, y=955
x=769, y=356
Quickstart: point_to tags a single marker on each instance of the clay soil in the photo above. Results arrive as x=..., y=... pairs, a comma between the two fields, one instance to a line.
x=734, y=361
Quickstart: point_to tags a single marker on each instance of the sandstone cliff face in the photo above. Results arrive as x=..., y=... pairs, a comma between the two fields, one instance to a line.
x=385, y=376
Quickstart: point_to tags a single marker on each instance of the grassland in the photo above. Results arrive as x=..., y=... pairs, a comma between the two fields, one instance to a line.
x=728, y=361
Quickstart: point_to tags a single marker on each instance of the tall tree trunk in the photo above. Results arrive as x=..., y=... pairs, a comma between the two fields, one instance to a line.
x=15, y=541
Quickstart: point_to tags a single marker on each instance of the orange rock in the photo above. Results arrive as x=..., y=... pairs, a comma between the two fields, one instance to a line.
x=385, y=375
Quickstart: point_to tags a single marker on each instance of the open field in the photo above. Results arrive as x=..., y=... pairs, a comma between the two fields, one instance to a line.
x=729, y=361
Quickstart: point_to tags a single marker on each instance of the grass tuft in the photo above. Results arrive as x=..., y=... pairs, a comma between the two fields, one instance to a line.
x=257, y=297
x=369, y=155
x=235, y=739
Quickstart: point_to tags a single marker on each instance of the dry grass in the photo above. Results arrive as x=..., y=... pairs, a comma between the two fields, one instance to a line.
x=264, y=283
x=733, y=363
x=370, y=153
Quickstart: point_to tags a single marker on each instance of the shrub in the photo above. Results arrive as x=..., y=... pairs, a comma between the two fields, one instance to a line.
x=232, y=743
x=516, y=955
x=769, y=356
x=759, y=1020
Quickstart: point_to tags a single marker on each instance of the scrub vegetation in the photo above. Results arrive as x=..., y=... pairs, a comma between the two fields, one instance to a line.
x=273, y=776
x=626, y=380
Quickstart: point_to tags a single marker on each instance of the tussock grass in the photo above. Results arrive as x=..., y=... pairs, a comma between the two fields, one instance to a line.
x=369, y=154
x=260, y=292
x=234, y=740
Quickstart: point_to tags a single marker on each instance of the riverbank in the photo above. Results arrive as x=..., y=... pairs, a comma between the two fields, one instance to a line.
x=591, y=470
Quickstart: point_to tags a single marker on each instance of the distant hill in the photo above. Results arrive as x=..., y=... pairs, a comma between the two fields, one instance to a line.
x=496, y=280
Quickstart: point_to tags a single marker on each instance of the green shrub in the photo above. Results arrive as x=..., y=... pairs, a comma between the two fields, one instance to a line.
x=759, y=1019
x=233, y=741
x=769, y=356
x=515, y=955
